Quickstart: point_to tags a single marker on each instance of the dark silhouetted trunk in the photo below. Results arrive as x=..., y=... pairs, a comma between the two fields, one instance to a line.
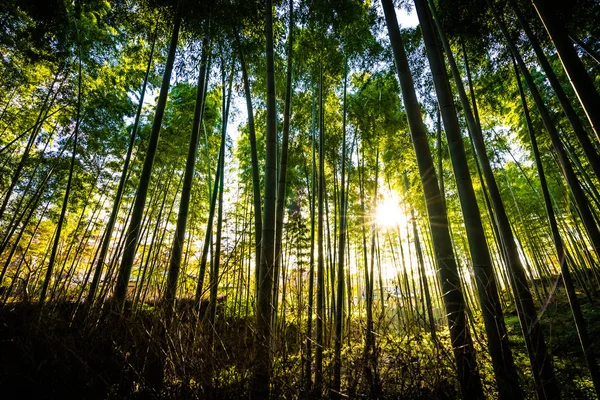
x=254, y=160
x=504, y=369
x=63, y=212
x=462, y=344
x=560, y=249
x=110, y=225
x=281, y=187
x=133, y=231
x=262, y=372
x=186, y=190
x=581, y=81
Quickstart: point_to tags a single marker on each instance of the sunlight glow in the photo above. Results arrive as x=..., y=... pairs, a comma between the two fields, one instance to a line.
x=389, y=214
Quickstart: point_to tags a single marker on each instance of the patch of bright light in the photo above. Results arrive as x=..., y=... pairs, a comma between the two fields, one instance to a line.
x=389, y=214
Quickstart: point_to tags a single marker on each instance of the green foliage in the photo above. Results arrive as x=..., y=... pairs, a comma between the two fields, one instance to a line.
x=43, y=43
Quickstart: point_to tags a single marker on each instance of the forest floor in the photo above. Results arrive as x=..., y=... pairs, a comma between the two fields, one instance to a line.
x=59, y=357
x=563, y=342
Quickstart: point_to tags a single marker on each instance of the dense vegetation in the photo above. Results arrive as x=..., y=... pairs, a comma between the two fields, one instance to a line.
x=299, y=199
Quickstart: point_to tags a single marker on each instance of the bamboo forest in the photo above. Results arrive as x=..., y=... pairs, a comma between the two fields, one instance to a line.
x=300, y=199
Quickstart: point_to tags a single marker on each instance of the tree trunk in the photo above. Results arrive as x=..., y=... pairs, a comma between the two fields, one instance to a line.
x=337, y=362
x=567, y=170
x=368, y=285
x=311, y=262
x=591, y=52
x=152, y=243
x=63, y=212
x=281, y=187
x=214, y=271
x=20, y=211
x=117, y=200
x=320, y=245
x=209, y=225
x=538, y=353
x=131, y=239
x=186, y=190
x=502, y=360
x=438, y=220
x=37, y=127
x=580, y=80
x=262, y=373
x=254, y=160
x=422, y=273
x=560, y=249
x=578, y=129
x=32, y=207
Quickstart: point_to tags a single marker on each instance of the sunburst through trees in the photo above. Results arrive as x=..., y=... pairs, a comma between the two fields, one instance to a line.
x=299, y=199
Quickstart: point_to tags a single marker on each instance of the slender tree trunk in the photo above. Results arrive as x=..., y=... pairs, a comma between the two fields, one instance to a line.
x=281, y=187
x=422, y=272
x=63, y=212
x=337, y=362
x=33, y=206
x=16, y=274
x=534, y=338
x=186, y=190
x=254, y=160
x=330, y=267
x=368, y=286
x=502, y=360
x=152, y=243
x=20, y=211
x=37, y=127
x=75, y=234
x=320, y=245
x=209, y=226
x=93, y=220
x=132, y=237
x=586, y=144
x=214, y=271
x=117, y=200
x=262, y=373
x=215, y=267
x=560, y=249
x=26, y=131
x=8, y=101
x=157, y=248
x=591, y=52
x=311, y=262
x=406, y=293
x=440, y=160
x=572, y=180
x=474, y=126
x=453, y=298
x=371, y=354
x=578, y=75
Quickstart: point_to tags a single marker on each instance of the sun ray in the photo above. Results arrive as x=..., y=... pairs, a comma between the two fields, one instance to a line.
x=389, y=214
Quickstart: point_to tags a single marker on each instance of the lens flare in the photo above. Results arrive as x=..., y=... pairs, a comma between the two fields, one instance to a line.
x=389, y=214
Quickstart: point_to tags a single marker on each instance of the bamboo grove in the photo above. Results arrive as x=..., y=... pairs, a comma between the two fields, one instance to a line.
x=300, y=199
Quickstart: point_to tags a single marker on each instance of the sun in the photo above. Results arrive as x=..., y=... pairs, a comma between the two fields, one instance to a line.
x=389, y=214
